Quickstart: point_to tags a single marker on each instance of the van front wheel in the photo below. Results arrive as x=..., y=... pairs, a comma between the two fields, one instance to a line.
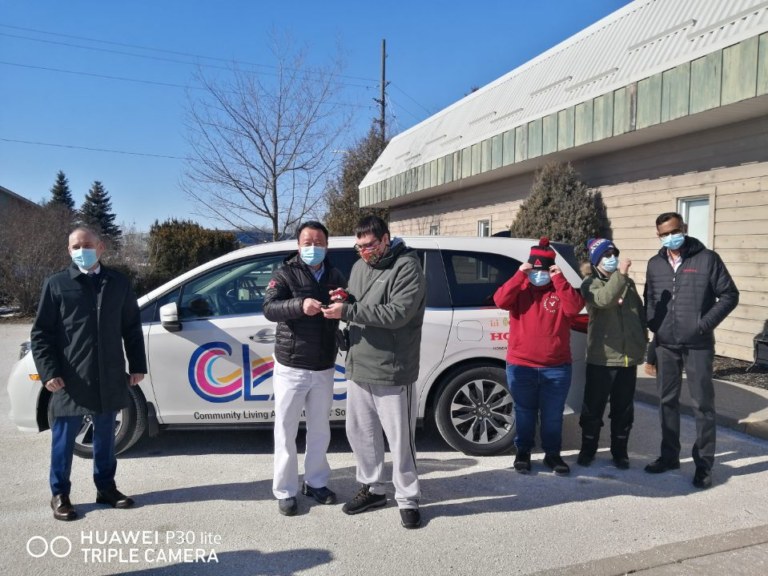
x=475, y=413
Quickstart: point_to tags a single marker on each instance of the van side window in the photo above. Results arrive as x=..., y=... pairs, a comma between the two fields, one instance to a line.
x=473, y=277
x=437, y=287
x=234, y=289
x=343, y=259
x=150, y=312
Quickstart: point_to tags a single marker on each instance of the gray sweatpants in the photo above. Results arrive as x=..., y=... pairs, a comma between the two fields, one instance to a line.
x=375, y=410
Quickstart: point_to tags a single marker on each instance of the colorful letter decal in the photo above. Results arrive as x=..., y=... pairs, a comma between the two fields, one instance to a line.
x=212, y=386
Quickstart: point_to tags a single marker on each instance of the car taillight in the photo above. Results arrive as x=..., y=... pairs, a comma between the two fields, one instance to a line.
x=580, y=323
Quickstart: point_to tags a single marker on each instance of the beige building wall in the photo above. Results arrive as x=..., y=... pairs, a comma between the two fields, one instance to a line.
x=458, y=213
x=727, y=165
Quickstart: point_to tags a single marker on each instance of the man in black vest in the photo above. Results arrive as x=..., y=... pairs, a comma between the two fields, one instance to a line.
x=305, y=359
x=87, y=313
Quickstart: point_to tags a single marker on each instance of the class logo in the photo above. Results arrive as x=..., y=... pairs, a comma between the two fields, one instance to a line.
x=213, y=377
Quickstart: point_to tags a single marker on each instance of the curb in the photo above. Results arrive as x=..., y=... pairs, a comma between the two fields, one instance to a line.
x=752, y=427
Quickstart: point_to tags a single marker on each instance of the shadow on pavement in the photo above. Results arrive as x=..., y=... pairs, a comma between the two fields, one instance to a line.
x=177, y=442
x=251, y=562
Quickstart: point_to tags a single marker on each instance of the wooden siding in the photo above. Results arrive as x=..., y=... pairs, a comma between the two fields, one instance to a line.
x=762, y=65
x=603, y=117
x=535, y=138
x=706, y=82
x=649, y=101
x=675, y=97
x=565, y=128
x=728, y=165
x=584, y=123
x=549, y=136
x=740, y=71
x=457, y=214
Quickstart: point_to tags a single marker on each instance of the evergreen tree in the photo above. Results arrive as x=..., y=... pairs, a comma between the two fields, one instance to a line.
x=562, y=208
x=342, y=194
x=61, y=195
x=96, y=212
x=176, y=246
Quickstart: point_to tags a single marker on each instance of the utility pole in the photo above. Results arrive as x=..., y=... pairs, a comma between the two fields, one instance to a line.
x=382, y=122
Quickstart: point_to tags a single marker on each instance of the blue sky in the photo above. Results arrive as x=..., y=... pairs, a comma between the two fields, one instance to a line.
x=108, y=75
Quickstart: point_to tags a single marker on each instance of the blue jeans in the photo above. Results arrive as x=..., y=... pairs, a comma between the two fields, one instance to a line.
x=63, y=433
x=539, y=391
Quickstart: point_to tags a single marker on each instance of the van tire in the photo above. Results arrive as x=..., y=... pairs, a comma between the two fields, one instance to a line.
x=131, y=424
x=475, y=413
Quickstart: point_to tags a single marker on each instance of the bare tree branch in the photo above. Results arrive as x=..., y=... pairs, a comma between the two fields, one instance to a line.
x=261, y=150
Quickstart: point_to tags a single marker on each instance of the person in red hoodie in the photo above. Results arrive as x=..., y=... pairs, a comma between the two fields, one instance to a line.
x=541, y=305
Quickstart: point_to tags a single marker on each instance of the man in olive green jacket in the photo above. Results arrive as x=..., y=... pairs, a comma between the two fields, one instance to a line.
x=616, y=342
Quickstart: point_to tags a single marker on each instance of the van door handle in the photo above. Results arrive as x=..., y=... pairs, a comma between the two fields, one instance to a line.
x=264, y=336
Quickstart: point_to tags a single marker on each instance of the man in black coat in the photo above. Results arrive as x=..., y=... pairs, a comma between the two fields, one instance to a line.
x=305, y=358
x=86, y=314
x=688, y=292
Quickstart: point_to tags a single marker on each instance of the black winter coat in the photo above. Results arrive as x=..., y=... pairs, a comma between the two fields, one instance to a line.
x=302, y=341
x=78, y=335
x=683, y=308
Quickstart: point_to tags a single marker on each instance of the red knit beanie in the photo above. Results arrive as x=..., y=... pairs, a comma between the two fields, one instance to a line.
x=542, y=256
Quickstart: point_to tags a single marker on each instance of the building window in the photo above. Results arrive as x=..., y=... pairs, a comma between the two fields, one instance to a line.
x=434, y=229
x=695, y=212
x=484, y=228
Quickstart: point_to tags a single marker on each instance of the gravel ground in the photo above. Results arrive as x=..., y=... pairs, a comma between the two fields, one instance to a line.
x=736, y=371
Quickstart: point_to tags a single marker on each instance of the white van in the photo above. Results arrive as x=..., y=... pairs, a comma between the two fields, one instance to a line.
x=209, y=347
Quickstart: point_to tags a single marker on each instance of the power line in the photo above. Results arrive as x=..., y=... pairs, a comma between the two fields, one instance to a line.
x=412, y=99
x=393, y=105
x=176, y=53
x=151, y=49
x=137, y=80
x=102, y=76
x=89, y=149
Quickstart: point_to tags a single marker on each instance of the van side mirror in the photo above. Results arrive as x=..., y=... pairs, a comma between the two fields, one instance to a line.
x=169, y=317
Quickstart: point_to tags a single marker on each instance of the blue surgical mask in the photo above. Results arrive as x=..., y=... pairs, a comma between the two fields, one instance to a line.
x=312, y=255
x=673, y=241
x=610, y=264
x=539, y=277
x=85, y=258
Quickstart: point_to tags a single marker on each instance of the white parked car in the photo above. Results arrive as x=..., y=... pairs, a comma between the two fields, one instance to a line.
x=210, y=348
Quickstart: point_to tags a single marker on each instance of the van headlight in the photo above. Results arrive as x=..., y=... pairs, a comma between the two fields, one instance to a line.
x=26, y=348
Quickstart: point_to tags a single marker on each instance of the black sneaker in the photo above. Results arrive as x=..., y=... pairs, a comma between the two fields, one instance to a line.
x=557, y=464
x=364, y=500
x=702, y=478
x=410, y=518
x=660, y=465
x=287, y=506
x=322, y=495
x=523, y=462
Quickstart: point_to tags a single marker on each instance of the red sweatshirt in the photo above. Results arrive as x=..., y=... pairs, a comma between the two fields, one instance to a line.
x=539, y=320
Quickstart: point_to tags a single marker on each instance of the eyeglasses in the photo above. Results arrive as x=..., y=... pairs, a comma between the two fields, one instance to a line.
x=368, y=247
